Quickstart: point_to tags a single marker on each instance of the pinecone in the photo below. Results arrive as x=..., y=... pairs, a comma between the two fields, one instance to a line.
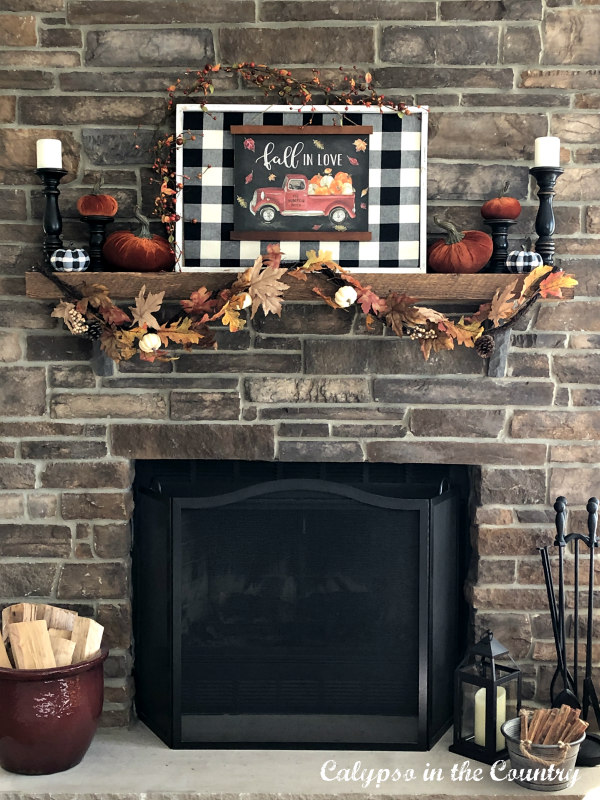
x=77, y=322
x=94, y=330
x=485, y=345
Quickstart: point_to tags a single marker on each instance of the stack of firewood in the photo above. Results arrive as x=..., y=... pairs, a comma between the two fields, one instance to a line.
x=552, y=725
x=38, y=636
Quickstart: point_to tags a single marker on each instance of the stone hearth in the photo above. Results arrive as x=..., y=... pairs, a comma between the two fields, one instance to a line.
x=134, y=765
x=316, y=385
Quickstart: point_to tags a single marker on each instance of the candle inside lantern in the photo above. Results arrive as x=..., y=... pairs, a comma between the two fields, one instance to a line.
x=480, y=699
x=547, y=151
x=49, y=154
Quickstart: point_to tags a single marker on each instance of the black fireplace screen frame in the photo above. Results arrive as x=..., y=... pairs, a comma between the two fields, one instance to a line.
x=157, y=557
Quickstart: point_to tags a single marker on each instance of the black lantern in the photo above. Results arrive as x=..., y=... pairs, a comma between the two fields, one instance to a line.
x=486, y=694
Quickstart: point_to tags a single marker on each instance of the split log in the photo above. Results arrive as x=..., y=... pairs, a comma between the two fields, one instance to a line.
x=30, y=644
x=63, y=650
x=59, y=633
x=18, y=612
x=4, y=659
x=87, y=635
x=57, y=617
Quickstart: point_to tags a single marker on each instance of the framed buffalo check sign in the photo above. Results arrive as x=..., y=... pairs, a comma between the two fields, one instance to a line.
x=351, y=181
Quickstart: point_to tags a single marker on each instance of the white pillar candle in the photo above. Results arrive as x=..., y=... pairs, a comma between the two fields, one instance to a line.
x=49, y=154
x=480, y=698
x=547, y=151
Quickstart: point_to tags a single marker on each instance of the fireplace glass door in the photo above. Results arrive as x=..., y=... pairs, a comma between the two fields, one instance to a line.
x=301, y=611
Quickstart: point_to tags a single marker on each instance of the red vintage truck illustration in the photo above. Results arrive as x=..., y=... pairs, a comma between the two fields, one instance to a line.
x=322, y=195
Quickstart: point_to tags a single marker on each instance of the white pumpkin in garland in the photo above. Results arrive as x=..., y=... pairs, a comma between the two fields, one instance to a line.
x=523, y=260
x=70, y=260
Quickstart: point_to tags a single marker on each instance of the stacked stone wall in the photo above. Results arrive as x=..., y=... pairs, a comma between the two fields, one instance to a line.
x=315, y=385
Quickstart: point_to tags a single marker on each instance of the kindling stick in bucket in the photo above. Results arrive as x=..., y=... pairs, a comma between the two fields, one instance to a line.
x=543, y=746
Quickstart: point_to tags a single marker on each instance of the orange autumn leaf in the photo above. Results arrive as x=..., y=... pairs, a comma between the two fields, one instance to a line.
x=327, y=299
x=360, y=145
x=113, y=314
x=552, y=285
x=463, y=334
x=201, y=302
x=532, y=279
x=231, y=317
x=504, y=303
x=298, y=274
x=273, y=256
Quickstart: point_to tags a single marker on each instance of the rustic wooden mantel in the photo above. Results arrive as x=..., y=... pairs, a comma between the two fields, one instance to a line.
x=453, y=289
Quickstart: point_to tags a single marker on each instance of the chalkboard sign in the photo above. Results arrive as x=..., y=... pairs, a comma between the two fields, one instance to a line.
x=301, y=182
x=369, y=215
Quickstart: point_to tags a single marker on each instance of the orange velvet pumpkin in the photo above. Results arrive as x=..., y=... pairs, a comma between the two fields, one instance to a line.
x=501, y=208
x=138, y=252
x=461, y=252
x=96, y=204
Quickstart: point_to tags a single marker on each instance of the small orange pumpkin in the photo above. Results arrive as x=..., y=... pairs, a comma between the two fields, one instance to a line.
x=501, y=207
x=96, y=204
x=460, y=252
x=138, y=252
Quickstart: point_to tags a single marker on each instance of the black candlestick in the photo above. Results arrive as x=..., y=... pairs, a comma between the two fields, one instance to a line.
x=52, y=219
x=97, y=225
x=544, y=221
x=500, y=238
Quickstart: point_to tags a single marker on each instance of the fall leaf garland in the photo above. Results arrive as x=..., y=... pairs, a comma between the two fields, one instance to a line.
x=123, y=335
x=278, y=85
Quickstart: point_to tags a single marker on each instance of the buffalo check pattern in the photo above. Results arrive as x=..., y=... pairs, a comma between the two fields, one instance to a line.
x=396, y=199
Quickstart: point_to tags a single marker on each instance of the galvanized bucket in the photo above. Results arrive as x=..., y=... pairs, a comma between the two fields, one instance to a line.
x=543, y=767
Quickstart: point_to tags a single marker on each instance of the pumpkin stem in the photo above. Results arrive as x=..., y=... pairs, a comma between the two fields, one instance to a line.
x=454, y=235
x=97, y=184
x=505, y=189
x=145, y=229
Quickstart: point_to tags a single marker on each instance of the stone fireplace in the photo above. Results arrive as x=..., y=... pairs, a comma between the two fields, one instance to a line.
x=339, y=394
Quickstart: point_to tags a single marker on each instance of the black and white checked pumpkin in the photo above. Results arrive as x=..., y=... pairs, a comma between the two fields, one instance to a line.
x=523, y=260
x=70, y=260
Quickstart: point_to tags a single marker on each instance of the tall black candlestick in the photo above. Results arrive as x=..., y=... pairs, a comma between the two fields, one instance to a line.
x=52, y=219
x=544, y=221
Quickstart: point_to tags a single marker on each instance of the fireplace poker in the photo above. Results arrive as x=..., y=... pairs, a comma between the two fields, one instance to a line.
x=553, y=617
x=566, y=696
x=589, y=752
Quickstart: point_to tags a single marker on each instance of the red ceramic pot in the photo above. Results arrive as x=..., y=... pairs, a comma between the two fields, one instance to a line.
x=48, y=717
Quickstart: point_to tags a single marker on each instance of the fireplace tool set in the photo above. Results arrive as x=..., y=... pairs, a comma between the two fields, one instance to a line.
x=564, y=687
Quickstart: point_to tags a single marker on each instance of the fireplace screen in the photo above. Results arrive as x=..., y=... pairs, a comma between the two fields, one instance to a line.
x=298, y=611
